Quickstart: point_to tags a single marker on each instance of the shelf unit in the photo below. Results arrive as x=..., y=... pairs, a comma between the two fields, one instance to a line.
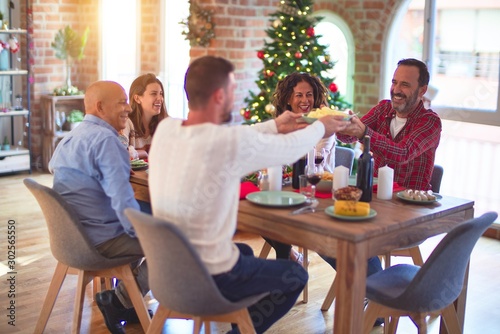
x=15, y=115
x=49, y=105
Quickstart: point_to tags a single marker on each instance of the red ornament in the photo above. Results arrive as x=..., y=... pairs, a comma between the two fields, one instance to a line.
x=298, y=55
x=333, y=87
x=246, y=114
x=310, y=32
x=260, y=54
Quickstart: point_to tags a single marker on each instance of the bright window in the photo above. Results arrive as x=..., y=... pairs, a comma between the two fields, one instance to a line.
x=460, y=47
x=338, y=37
x=119, y=41
x=176, y=58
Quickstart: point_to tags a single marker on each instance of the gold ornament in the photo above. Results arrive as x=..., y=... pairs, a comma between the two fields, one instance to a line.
x=276, y=23
x=270, y=108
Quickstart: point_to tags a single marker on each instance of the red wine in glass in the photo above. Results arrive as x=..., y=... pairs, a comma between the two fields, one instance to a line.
x=314, y=178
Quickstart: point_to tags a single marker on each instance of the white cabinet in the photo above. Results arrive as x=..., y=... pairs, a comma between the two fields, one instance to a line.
x=14, y=100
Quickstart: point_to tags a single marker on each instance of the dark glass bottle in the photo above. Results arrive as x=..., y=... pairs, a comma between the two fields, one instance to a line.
x=298, y=168
x=364, y=179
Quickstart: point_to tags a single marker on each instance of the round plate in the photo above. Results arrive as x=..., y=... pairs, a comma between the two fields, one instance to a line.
x=312, y=119
x=401, y=197
x=329, y=211
x=276, y=198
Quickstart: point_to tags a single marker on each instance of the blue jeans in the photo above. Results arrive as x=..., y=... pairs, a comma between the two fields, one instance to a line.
x=374, y=264
x=250, y=276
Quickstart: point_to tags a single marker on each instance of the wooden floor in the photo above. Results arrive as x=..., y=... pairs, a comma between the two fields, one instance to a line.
x=34, y=268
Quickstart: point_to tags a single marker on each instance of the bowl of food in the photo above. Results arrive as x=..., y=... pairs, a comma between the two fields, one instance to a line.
x=326, y=183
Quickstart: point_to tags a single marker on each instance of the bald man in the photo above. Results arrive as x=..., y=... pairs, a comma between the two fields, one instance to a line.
x=91, y=172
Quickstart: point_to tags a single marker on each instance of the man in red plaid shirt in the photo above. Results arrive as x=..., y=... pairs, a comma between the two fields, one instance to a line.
x=403, y=134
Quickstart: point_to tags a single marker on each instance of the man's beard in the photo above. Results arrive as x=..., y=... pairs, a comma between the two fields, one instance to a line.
x=409, y=102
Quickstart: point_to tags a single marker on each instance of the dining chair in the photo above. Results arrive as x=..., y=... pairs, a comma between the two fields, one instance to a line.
x=76, y=255
x=344, y=156
x=413, y=250
x=180, y=281
x=417, y=291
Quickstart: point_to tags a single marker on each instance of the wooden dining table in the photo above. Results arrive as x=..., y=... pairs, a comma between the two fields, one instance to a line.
x=397, y=224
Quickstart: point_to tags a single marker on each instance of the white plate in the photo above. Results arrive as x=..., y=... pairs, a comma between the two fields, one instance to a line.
x=330, y=212
x=276, y=198
x=413, y=201
x=312, y=119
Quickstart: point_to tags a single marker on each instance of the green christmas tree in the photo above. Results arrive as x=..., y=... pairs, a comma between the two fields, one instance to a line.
x=294, y=47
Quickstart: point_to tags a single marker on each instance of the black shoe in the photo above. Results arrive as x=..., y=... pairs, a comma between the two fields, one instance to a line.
x=379, y=322
x=131, y=317
x=111, y=313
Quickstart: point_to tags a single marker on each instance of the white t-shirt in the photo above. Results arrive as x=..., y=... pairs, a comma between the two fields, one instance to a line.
x=194, y=180
x=138, y=143
x=397, y=123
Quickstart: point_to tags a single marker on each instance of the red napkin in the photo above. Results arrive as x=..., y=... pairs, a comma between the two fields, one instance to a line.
x=395, y=187
x=246, y=188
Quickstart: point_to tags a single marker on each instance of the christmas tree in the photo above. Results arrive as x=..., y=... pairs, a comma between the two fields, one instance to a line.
x=294, y=47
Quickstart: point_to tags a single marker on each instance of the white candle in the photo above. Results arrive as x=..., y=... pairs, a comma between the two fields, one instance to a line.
x=340, y=177
x=275, y=177
x=385, y=182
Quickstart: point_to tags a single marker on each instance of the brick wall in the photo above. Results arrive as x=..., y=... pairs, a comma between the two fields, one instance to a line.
x=240, y=26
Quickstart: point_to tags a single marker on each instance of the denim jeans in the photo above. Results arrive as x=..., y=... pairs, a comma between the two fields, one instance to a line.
x=282, y=250
x=374, y=264
x=284, y=279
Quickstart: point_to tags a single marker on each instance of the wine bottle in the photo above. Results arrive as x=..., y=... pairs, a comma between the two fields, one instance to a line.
x=364, y=179
x=298, y=168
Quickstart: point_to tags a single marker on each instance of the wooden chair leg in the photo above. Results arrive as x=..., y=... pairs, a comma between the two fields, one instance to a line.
x=125, y=273
x=84, y=279
x=96, y=286
x=244, y=322
x=416, y=256
x=450, y=318
x=50, y=299
x=264, y=252
x=158, y=321
x=197, y=325
x=208, y=328
x=330, y=296
x=305, y=292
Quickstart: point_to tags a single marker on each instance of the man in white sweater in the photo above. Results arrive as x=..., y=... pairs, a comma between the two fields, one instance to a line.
x=195, y=170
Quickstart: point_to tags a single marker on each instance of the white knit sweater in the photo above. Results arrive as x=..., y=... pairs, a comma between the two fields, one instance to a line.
x=195, y=173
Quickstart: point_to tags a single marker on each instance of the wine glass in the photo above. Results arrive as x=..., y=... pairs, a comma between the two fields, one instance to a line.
x=314, y=172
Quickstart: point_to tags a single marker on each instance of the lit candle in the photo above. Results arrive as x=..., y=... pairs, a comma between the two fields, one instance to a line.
x=385, y=182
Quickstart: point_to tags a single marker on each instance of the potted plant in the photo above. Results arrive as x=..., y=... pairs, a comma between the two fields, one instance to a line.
x=74, y=118
x=1, y=20
x=5, y=145
x=69, y=46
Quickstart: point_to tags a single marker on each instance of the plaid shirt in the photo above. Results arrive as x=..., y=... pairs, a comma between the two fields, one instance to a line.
x=411, y=153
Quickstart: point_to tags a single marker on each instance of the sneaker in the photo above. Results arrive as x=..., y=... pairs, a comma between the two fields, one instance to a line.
x=112, y=314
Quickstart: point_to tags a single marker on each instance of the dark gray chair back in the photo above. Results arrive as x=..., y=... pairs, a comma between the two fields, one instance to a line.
x=177, y=277
x=344, y=156
x=437, y=176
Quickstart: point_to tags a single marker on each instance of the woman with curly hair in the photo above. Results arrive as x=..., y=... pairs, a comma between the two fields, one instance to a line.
x=300, y=93
x=146, y=97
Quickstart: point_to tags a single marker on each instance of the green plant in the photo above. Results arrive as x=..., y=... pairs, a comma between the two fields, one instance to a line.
x=1, y=15
x=69, y=46
x=75, y=116
x=5, y=140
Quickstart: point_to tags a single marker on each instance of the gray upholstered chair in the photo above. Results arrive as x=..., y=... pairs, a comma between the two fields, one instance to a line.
x=344, y=156
x=180, y=281
x=414, y=291
x=413, y=250
x=76, y=255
